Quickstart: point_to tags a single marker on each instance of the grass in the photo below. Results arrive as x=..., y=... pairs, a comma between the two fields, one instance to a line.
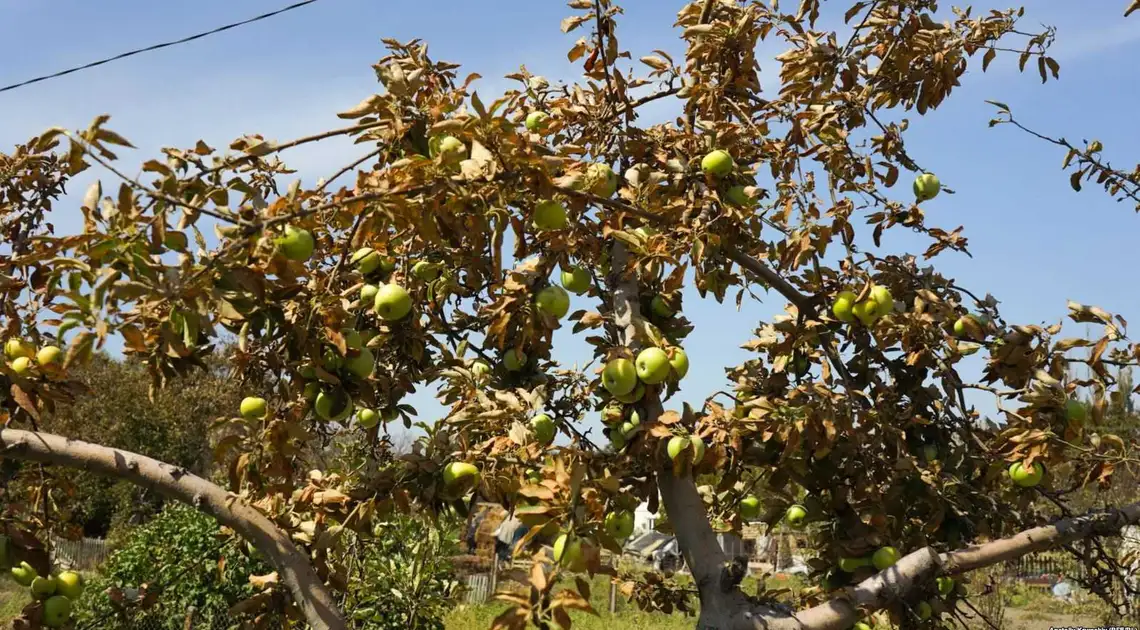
x=13, y=598
x=626, y=616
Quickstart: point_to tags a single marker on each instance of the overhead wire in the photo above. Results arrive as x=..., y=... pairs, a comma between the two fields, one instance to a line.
x=139, y=51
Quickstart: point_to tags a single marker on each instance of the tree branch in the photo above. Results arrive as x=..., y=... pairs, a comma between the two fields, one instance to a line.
x=308, y=590
x=925, y=564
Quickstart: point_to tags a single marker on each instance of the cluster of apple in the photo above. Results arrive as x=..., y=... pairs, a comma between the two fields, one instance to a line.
x=847, y=307
x=24, y=359
x=719, y=164
x=569, y=549
x=57, y=592
x=625, y=380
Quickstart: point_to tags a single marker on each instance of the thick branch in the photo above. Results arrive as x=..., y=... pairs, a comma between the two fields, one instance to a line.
x=925, y=564
x=308, y=591
x=683, y=504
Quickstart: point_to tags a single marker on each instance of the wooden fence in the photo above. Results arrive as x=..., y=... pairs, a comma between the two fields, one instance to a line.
x=83, y=555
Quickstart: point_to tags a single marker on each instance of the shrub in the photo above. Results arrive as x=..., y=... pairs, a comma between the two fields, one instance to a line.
x=183, y=555
x=404, y=579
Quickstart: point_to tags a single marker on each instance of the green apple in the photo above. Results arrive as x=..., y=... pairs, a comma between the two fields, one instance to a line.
x=637, y=394
x=576, y=280
x=885, y=557
x=1026, y=477
x=537, y=121
x=15, y=348
x=425, y=271
x=176, y=241
x=660, y=307
x=451, y=149
x=24, y=573
x=334, y=405
x=352, y=339
x=652, y=366
x=553, y=301
x=861, y=625
x=882, y=296
x=550, y=215
x=795, y=515
x=926, y=186
x=22, y=366
x=296, y=244
x=392, y=302
x=737, y=196
x=627, y=428
x=1076, y=411
x=619, y=524
x=945, y=585
x=617, y=440
x=867, y=312
x=366, y=260
x=367, y=418
x=544, y=429
x=568, y=552
x=969, y=326
x=361, y=364
x=43, y=587
x=460, y=476
x=57, y=611
x=698, y=449
x=844, y=306
x=515, y=359
x=749, y=507
x=253, y=407
x=619, y=377
x=603, y=180
x=717, y=163
x=480, y=369
x=677, y=445
x=311, y=390
x=368, y=294
x=69, y=584
x=930, y=452
x=679, y=361
x=923, y=610
x=49, y=356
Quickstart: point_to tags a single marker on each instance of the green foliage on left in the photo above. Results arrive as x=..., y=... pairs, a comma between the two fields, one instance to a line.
x=182, y=554
x=118, y=411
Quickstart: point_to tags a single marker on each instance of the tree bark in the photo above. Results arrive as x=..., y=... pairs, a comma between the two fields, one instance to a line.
x=308, y=590
x=920, y=567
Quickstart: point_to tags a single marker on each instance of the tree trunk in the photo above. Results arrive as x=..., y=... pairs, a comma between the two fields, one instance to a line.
x=293, y=566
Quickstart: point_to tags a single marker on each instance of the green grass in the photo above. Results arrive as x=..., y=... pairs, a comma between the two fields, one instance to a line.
x=13, y=598
x=626, y=616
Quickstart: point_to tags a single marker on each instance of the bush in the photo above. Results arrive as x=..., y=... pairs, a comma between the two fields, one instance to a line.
x=182, y=553
x=404, y=579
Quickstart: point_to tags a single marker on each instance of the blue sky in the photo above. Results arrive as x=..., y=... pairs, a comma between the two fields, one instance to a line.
x=1035, y=242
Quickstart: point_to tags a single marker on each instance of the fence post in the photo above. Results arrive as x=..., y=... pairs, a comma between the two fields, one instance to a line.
x=494, y=579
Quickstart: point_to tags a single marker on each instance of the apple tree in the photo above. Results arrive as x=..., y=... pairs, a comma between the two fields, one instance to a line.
x=475, y=228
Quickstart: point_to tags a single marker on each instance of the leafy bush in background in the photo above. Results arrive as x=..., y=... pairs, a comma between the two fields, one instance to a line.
x=182, y=553
x=403, y=578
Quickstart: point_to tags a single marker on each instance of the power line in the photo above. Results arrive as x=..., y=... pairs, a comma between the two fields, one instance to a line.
x=296, y=5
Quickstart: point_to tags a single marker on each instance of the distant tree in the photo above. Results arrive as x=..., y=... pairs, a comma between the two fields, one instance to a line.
x=117, y=410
